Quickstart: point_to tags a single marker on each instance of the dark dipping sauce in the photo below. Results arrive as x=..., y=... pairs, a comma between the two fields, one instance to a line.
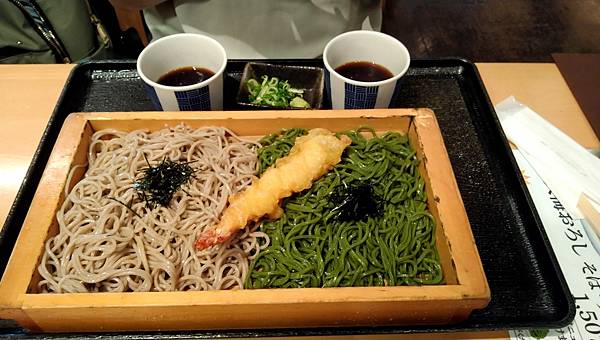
x=364, y=71
x=185, y=76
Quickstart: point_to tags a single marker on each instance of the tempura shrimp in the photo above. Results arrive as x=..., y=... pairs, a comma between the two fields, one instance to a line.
x=311, y=157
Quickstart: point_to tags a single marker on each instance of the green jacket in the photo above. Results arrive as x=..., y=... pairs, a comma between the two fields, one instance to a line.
x=20, y=43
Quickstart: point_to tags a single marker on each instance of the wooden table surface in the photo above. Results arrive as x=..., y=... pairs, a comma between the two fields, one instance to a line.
x=28, y=94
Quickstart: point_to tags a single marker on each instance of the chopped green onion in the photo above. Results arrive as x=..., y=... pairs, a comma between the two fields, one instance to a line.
x=275, y=92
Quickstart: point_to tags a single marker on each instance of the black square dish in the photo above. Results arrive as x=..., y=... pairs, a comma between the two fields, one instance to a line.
x=307, y=78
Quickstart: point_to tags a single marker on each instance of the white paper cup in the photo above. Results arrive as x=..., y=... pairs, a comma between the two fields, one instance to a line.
x=369, y=46
x=177, y=51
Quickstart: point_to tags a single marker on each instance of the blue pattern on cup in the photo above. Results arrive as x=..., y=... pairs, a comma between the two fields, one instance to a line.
x=359, y=97
x=153, y=97
x=192, y=100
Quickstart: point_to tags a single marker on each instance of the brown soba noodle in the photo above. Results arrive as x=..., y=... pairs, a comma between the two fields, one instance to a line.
x=111, y=240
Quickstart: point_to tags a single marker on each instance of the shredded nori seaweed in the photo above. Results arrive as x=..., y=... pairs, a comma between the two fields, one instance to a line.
x=355, y=202
x=159, y=183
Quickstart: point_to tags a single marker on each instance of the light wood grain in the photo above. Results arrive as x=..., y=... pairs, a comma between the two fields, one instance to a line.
x=279, y=308
x=28, y=94
x=542, y=88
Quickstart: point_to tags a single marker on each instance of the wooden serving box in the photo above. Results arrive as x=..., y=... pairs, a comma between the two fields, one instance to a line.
x=465, y=287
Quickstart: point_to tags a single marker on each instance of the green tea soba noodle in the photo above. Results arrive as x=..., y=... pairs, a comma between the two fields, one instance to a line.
x=313, y=245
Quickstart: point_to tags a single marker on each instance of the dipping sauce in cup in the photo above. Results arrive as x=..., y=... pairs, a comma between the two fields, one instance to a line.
x=364, y=69
x=184, y=72
x=185, y=76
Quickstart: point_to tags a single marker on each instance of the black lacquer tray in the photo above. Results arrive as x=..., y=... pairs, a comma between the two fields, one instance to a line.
x=527, y=286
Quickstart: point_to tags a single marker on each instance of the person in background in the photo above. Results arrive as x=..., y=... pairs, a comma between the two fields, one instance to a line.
x=49, y=31
x=259, y=29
